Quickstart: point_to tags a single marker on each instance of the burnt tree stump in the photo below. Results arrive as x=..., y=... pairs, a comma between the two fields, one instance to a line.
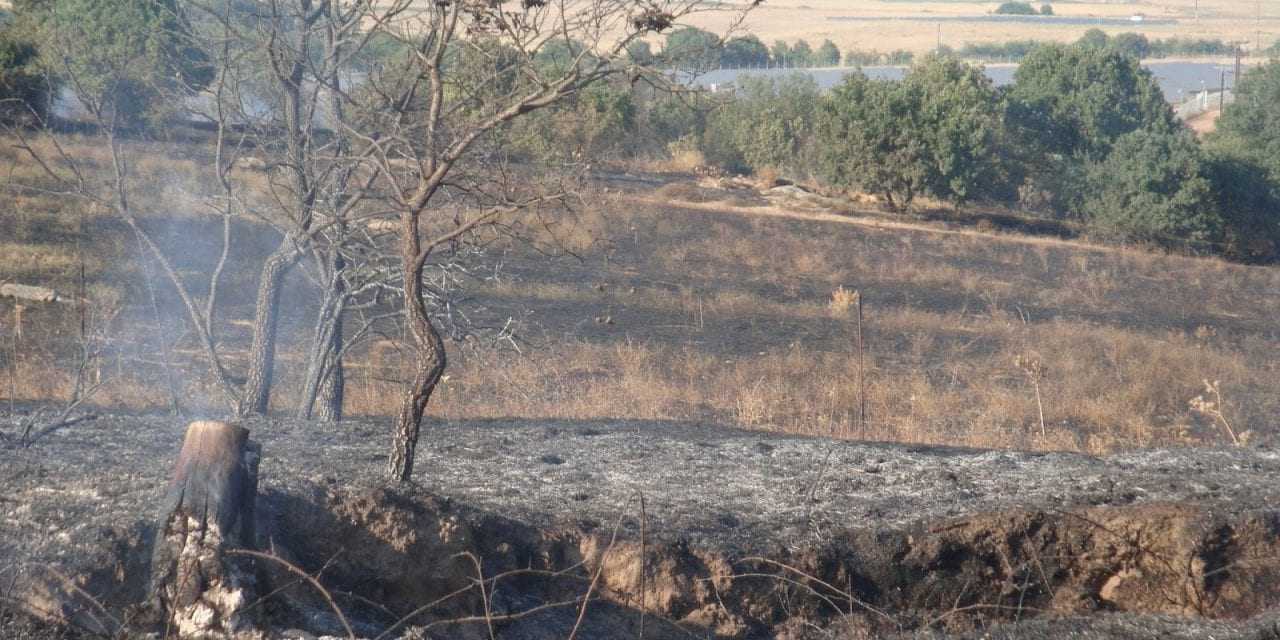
x=199, y=589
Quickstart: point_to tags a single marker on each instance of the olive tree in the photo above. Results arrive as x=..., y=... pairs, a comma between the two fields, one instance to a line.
x=937, y=132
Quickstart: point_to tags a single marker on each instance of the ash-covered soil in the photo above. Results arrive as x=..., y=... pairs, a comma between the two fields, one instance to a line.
x=905, y=540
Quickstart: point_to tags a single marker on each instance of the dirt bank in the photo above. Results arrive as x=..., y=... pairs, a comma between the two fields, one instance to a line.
x=741, y=534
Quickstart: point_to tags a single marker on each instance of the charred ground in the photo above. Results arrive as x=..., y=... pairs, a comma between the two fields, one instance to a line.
x=742, y=534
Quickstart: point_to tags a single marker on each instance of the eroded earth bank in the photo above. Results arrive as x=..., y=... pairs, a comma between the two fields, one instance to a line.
x=665, y=531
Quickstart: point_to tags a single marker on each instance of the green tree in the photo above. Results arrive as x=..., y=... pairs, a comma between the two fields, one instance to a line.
x=768, y=124
x=692, y=49
x=1249, y=199
x=1094, y=39
x=867, y=129
x=24, y=91
x=640, y=52
x=125, y=54
x=744, y=51
x=1046, y=9
x=937, y=132
x=827, y=55
x=1251, y=124
x=962, y=121
x=1016, y=9
x=1076, y=100
x=781, y=54
x=1154, y=186
x=802, y=53
x=1134, y=45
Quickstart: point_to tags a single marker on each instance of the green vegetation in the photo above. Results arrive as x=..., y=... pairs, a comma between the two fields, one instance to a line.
x=935, y=133
x=827, y=55
x=1251, y=125
x=860, y=58
x=767, y=126
x=1077, y=100
x=1154, y=186
x=1083, y=134
x=697, y=50
x=1130, y=44
x=745, y=52
x=24, y=91
x=125, y=54
x=1016, y=9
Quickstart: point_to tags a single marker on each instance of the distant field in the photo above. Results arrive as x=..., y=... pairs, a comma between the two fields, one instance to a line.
x=813, y=21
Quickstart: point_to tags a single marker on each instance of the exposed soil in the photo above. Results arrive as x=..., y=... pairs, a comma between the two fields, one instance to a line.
x=742, y=534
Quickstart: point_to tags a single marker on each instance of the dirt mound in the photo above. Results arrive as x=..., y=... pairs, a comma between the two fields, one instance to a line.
x=677, y=529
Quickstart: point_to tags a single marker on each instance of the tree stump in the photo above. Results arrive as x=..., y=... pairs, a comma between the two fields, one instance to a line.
x=200, y=589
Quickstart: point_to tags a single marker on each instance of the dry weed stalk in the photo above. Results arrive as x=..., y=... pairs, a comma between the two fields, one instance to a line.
x=1035, y=371
x=1210, y=404
x=842, y=300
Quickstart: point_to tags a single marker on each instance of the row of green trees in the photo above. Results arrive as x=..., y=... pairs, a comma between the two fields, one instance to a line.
x=691, y=48
x=1083, y=134
x=1132, y=44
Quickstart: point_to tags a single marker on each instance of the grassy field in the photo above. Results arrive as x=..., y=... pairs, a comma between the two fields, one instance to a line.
x=1231, y=20
x=718, y=305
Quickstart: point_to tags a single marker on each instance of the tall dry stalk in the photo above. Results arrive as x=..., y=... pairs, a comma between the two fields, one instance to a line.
x=1210, y=404
x=1035, y=371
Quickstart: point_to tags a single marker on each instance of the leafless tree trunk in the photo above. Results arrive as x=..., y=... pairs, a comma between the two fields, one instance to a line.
x=429, y=362
x=442, y=118
x=262, y=352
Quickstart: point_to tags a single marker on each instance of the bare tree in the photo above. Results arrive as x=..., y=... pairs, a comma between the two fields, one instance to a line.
x=409, y=133
x=432, y=134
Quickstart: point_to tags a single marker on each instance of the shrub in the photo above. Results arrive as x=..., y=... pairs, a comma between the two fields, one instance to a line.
x=1154, y=186
x=768, y=124
x=1016, y=9
x=1251, y=124
x=24, y=91
x=937, y=132
x=1077, y=100
x=124, y=55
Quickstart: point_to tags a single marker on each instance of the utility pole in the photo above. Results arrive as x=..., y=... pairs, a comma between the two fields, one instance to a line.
x=1222, y=91
x=1235, y=80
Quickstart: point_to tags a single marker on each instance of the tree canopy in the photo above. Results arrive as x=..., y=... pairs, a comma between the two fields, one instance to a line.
x=1252, y=122
x=123, y=54
x=936, y=132
x=1079, y=100
x=1154, y=186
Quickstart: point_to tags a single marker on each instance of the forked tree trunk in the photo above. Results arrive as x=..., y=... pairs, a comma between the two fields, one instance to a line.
x=262, y=352
x=199, y=588
x=429, y=362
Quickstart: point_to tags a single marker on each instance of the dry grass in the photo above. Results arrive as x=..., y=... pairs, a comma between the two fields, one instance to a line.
x=727, y=315
x=812, y=20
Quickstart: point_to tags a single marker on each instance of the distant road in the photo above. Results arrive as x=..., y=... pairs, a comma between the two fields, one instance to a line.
x=1178, y=80
x=1045, y=20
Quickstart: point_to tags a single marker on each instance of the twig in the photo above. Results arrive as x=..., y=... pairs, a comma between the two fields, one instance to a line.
x=291, y=568
x=582, y=612
x=848, y=596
